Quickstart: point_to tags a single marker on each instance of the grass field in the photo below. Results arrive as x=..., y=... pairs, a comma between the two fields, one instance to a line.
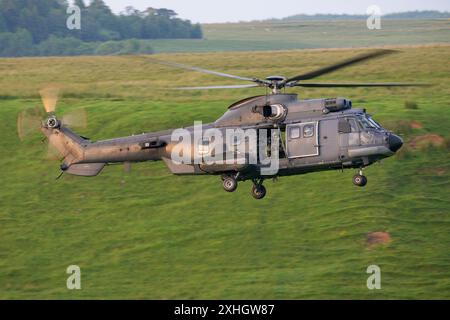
x=272, y=35
x=148, y=234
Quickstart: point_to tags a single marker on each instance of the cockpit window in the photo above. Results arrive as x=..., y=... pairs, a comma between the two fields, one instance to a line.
x=353, y=125
x=366, y=124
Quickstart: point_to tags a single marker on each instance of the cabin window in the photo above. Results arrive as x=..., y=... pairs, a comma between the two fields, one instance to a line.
x=347, y=125
x=236, y=140
x=308, y=131
x=344, y=126
x=294, y=133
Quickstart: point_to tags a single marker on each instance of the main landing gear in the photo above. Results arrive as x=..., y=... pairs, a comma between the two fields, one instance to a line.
x=230, y=185
x=258, y=190
x=360, y=179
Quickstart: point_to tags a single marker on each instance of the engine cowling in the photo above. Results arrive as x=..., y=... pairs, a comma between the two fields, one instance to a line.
x=337, y=104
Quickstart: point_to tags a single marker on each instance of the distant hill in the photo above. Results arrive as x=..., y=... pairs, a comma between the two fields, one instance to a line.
x=394, y=16
x=418, y=15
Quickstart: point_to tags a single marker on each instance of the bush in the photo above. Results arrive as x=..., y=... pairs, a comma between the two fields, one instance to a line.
x=55, y=46
x=411, y=105
x=403, y=153
x=108, y=48
x=197, y=32
x=398, y=126
x=145, y=47
x=131, y=46
x=447, y=143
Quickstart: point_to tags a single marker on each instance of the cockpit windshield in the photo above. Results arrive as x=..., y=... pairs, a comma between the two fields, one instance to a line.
x=374, y=122
x=368, y=123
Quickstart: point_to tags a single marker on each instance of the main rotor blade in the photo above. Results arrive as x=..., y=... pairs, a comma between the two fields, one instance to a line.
x=49, y=98
x=238, y=86
x=342, y=64
x=355, y=85
x=186, y=67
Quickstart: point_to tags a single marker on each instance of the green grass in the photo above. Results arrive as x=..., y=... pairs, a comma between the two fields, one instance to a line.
x=274, y=35
x=149, y=234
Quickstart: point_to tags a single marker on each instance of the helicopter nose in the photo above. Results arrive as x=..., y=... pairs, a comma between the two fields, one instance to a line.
x=395, y=142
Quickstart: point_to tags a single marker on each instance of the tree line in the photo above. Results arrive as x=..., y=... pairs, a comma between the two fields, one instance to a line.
x=30, y=27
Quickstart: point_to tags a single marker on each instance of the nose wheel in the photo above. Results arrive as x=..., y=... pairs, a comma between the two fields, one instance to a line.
x=360, y=179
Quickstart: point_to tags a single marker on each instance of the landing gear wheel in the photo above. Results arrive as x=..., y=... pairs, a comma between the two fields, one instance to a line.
x=258, y=191
x=359, y=180
x=229, y=184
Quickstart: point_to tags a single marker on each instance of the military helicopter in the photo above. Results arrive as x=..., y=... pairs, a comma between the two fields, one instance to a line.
x=312, y=135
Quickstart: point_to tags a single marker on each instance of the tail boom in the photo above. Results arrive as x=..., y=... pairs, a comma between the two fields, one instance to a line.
x=84, y=158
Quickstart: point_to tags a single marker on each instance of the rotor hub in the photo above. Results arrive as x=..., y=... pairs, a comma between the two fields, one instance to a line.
x=276, y=83
x=276, y=79
x=52, y=122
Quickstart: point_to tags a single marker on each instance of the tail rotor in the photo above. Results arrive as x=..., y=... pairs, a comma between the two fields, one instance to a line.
x=33, y=120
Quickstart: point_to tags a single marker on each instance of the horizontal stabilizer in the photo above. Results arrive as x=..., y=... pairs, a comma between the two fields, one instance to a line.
x=85, y=169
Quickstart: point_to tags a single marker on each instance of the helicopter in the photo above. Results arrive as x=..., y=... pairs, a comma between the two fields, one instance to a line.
x=301, y=136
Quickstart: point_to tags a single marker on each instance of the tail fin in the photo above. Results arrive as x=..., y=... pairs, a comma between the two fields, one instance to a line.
x=71, y=147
